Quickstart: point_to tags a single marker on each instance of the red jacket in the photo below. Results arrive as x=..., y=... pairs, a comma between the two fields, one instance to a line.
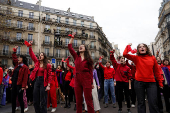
x=47, y=71
x=123, y=72
x=54, y=78
x=109, y=72
x=146, y=67
x=71, y=67
x=133, y=69
x=83, y=69
x=1, y=75
x=23, y=72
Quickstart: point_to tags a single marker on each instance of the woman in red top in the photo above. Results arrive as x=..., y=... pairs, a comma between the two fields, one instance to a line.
x=84, y=76
x=146, y=71
x=42, y=76
x=52, y=92
x=67, y=88
x=72, y=80
x=19, y=79
x=123, y=82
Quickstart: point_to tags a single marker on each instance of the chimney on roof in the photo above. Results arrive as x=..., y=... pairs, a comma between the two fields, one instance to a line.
x=68, y=9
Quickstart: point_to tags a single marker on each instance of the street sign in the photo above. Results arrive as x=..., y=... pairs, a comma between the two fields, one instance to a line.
x=53, y=61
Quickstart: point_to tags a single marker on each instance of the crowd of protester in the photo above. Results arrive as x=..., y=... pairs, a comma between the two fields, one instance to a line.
x=86, y=83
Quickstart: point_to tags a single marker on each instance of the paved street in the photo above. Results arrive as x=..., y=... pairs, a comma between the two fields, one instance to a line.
x=60, y=109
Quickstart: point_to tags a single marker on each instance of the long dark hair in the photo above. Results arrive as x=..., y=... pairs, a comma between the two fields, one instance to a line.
x=45, y=60
x=148, y=52
x=24, y=59
x=87, y=56
x=53, y=69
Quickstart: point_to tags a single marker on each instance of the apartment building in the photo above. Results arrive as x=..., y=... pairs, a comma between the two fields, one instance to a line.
x=48, y=28
x=162, y=40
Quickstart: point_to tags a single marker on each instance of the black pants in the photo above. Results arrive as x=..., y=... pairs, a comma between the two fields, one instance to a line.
x=120, y=87
x=166, y=93
x=133, y=93
x=17, y=91
x=40, y=96
x=151, y=90
x=30, y=93
x=67, y=91
x=101, y=90
x=160, y=105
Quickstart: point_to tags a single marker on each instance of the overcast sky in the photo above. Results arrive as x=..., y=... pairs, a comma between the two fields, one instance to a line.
x=123, y=21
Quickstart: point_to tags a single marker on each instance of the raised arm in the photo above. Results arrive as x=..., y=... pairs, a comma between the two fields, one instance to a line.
x=128, y=56
x=112, y=58
x=157, y=73
x=14, y=56
x=72, y=51
x=71, y=67
x=62, y=65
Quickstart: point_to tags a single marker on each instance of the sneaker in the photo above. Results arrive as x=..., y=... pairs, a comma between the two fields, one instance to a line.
x=53, y=110
x=129, y=111
x=114, y=105
x=120, y=110
x=133, y=105
x=26, y=109
x=17, y=108
x=106, y=105
x=69, y=106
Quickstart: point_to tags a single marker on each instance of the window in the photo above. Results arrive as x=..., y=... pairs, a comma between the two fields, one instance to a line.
x=47, y=51
x=58, y=19
x=19, y=24
x=75, y=43
x=58, y=29
x=18, y=50
x=82, y=23
x=8, y=22
x=30, y=37
x=6, y=35
x=91, y=33
x=92, y=44
x=47, y=39
x=67, y=21
x=20, y=13
x=19, y=35
x=91, y=25
x=92, y=55
x=30, y=26
x=4, y=61
x=67, y=42
x=75, y=30
x=67, y=53
x=67, y=29
x=5, y=50
x=47, y=26
x=74, y=22
x=9, y=11
x=58, y=53
x=47, y=17
x=83, y=42
x=58, y=63
x=31, y=15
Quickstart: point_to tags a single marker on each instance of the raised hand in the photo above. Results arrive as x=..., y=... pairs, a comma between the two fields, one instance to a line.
x=16, y=47
x=62, y=59
x=73, y=34
x=130, y=44
x=30, y=42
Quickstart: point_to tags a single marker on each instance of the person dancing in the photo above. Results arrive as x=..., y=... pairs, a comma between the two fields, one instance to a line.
x=19, y=79
x=123, y=82
x=84, y=76
x=42, y=76
x=52, y=92
x=146, y=71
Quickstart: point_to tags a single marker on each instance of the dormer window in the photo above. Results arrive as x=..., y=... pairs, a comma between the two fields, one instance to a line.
x=32, y=6
x=88, y=18
x=57, y=11
x=65, y=13
x=47, y=10
x=81, y=16
x=21, y=4
x=73, y=14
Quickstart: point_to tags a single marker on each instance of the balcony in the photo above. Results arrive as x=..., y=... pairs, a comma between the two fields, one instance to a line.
x=46, y=19
x=58, y=43
x=31, y=28
x=47, y=31
x=166, y=12
x=5, y=53
x=92, y=37
x=103, y=44
x=47, y=43
x=166, y=40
